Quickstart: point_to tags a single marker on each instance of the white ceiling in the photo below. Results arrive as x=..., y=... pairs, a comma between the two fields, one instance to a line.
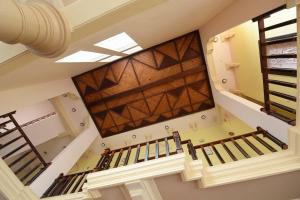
x=165, y=21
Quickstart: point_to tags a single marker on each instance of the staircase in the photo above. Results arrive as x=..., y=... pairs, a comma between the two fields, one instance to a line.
x=18, y=152
x=278, y=57
x=235, y=148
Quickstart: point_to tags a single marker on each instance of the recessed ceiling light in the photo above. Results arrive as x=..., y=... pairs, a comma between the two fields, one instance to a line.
x=133, y=50
x=82, y=56
x=118, y=42
x=110, y=59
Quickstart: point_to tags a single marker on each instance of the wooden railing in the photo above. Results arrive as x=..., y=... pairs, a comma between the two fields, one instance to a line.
x=27, y=165
x=231, y=146
x=132, y=155
x=112, y=159
x=280, y=110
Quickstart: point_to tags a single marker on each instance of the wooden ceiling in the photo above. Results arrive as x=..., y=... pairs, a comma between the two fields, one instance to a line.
x=160, y=83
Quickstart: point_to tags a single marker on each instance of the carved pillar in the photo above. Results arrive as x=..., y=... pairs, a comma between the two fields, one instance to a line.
x=38, y=25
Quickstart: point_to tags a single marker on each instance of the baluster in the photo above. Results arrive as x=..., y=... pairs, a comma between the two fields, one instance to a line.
x=147, y=152
x=53, y=187
x=82, y=175
x=206, y=156
x=110, y=159
x=264, y=143
x=70, y=184
x=156, y=149
x=177, y=140
x=127, y=156
x=240, y=148
x=192, y=150
x=136, y=159
x=218, y=154
x=27, y=140
x=252, y=146
x=167, y=147
x=272, y=138
x=228, y=151
x=118, y=159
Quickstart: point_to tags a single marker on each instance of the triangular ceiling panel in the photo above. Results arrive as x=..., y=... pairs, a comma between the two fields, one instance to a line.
x=146, y=57
x=157, y=84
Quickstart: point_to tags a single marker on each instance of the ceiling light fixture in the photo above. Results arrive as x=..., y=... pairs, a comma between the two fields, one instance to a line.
x=119, y=42
x=133, y=50
x=83, y=56
x=110, y=59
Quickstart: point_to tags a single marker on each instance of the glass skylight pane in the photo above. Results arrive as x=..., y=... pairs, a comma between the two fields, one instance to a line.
x=110, y=59
x=133, y=50
x=118, y=42
x=82, y=56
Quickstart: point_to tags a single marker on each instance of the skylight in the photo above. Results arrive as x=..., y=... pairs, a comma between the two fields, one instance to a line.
x=133, y=50
x=110, y=59
x=120, y=42
x=83, y=56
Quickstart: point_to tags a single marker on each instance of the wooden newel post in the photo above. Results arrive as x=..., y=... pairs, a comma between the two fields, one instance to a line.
x=177, y=141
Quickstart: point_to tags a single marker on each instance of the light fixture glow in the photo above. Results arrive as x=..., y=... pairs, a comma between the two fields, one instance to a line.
x=82, y=56
x=133, y=50
x=110, y=59
x=118, y=42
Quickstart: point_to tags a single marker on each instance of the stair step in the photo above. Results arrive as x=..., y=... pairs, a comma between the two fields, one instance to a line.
x=14, y=151
x=7, y=132
x=281, y=39
x=20, y=158
x=10, y=142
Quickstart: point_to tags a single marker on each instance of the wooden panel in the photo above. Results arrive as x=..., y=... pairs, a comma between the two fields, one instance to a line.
x=160, y=83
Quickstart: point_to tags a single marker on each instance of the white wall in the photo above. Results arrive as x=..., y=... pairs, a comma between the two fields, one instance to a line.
x=18, y=98
x=64, y=161
x=158, y=130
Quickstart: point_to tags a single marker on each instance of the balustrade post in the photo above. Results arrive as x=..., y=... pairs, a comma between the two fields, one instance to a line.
x=104, y=160
x=177, y=141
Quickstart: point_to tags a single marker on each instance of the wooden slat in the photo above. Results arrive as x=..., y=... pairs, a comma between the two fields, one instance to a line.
x=285, y=23
x=218, y=154
x=25, y=165
x=4, y=123
x=167, y=147
x=118, y=159
x=51, y=188
x=282, y=95
x=30, y=172
x=283, y=83
x=10, y=142
x=280, y=56
x=232, y=156
x=283, y=71
x=20, y=158
x=252, y=146
x=177, y=141
x=156, y=150
x=283, y=107
x=137, y=154
x=147, y=152
x=240, y=148
x=27, y=140
x=264, y=143
x=127, y=156
x=7, y=132
x=14, y=151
